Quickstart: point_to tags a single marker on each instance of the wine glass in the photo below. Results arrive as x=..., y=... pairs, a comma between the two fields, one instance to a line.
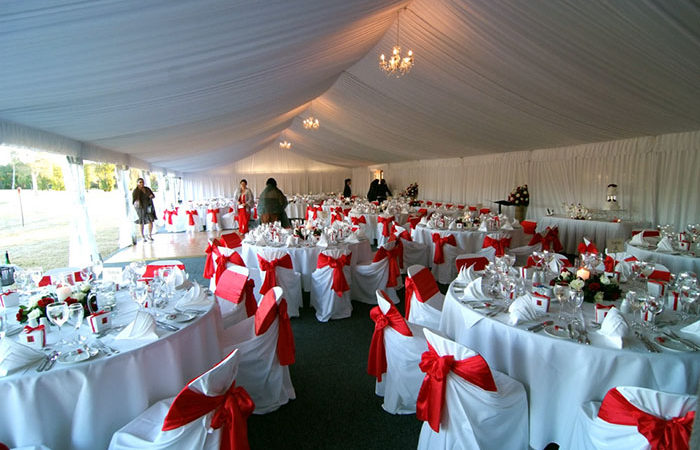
x=36, y=273
x=97, y=268
x=75, y=317
x=3, y=323
x=57, y=313
x=576, y=297
x=561, y=292
x=655, y=307
x=136, y=269
x=139, y=293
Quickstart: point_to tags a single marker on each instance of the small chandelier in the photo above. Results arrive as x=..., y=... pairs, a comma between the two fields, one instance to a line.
x=285, y=145
x=311, y=123
x=396, y=65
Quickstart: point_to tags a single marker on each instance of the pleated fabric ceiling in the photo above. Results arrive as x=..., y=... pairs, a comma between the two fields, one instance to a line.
x=198, y=85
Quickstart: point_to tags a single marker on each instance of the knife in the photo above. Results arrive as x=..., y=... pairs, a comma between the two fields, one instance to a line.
x=539, y=326
x=686, y=342
x=646, y=342
x=167, y=326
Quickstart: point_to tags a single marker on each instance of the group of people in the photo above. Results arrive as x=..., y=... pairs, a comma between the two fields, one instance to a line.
x=271, y=203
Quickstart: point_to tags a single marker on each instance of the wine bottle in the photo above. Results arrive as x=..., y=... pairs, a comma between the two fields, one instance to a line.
x=7, y=257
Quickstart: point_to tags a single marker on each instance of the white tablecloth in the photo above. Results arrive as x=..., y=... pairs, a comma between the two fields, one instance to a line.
x=304, y=258
x=80, y=406
x=675, y=263
x=296, y=210
x=559, y=375
x=572, y=231
x=470, y=241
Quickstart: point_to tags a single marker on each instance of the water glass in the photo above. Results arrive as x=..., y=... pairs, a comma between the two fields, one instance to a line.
x=75, y=318
x=57, y=314
x=562, y=292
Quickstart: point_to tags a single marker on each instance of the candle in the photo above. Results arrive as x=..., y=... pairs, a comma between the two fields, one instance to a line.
x=63, y=293
x=583, y=273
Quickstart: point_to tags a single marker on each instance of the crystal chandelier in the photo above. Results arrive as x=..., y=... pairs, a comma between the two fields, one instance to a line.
x=285, y=145
x=311, y=123
x=396, y=65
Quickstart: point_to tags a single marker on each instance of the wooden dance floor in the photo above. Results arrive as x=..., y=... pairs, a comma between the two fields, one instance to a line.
x=167, y=246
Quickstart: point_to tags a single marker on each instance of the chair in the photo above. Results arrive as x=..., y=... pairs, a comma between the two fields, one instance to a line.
x=212, y=220
x=276, y=269
x=153, y=267
x=635, y=418
x=210, y=401
x=529, y=226
x=235, y=294
x=413, y=252
x=423, y=298
x=444, y=253
x=479, y=260
x=330, y=291
x=193, y=221
x=465, y=404
x=384, y=226
x=393, y=357
x=217, y=260
x=549, y=239
x=383, y=272
x=523, y=253
x=265, y=343
x=499, y=241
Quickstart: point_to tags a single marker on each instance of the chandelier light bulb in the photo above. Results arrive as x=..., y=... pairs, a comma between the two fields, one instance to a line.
x=396, y=65
x=311, y=123
x=285, y=145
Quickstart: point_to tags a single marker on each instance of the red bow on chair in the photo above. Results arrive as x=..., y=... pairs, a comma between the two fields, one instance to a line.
x=358, y=220
x=336, y=217
x=438, y=204
x=413, y=221
x=393, y=255
x=234, y=287
x=432, y=392
x=549, y=239
x=269, y=268
x=429, y=203
x=423, y=285
x=439, y=257
x=168, y=216
x=311, y=210
x=661, y=434
x=499, y=244
x=589, y=247
x=404, y=235
x=450, y=205
x=231, y=411
x=340, y=284
x=422, y=212
x=209, y=260
x=376, y=364
x=214, y=215
x=222, y=262
x=267, y=311
x=190, y=216
x=386, y=222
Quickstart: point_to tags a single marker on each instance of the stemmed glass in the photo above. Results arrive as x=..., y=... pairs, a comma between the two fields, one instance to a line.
x=36, y=273
x=562, y=292
x=3, y=323
x=97, y=268
x=139, y=293
x=57, y=313
x=75, y=317
x=655, y=307
x=576, y=297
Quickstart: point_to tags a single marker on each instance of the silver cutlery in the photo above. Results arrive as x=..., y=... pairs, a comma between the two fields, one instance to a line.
x=571, y=332
x=48, y=362
x=44, y=362
x=540, y=326
x=167, y=326
x=52, y=361
x=14, y=331
x=687, y=342
x=647, y=343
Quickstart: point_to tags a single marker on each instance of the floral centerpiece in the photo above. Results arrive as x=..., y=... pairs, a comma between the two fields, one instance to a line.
x=36, y=307
x=411, y=192
x=577, y=211
x=597, y=288
x=520, y=196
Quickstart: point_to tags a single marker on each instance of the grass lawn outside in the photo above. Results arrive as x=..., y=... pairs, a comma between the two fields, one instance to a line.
x=44, y=238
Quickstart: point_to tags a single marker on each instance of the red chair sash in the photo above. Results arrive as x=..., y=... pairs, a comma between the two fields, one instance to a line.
x=265, y=315
x=234, y=287
x=393, y=255
x=340, y=283
x=438, y=204
x=151, y=269
x=209, y=261
x=190, y=217
x=431, y=396
x=358, y=220
x=337, y=216
x=376, y=364
x=485, y=211
x=549, y=239
x=386, y=225
x=231, y=412
x=450, y=205
x=590, y=248
x=499, y=244
x=222, y=262
x=413, y=221
x=269, y=268
x=460, y=206
x=661, y=434
x=168, y=216
x=214, y=214
x=422, y=212
x=528, y=227
x=423, y=285
x=439, y=256
x=479, y=263
x=230, y=240
x=472, y=208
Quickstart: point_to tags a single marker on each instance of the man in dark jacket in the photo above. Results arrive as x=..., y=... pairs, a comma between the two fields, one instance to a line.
x=271, y=204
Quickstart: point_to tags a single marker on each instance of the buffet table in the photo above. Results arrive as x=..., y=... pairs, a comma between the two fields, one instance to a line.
x=80, y=405
x=559, y=375
x=675, y=262
x=572, y=231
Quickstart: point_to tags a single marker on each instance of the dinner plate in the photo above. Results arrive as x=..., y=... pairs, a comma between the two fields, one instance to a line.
x=670, y=344
x=482, y=307
x=556, y=331
x=76, y=356
x=181, y=317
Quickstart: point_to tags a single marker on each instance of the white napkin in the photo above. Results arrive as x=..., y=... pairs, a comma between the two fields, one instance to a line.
x=290, y=241
x=261, y=242
x=693, y=328
x=352, y=238
x=14, y=355
x=323, y=240
x=466, y=275
x=142, y=327
x=483, y=226
x=507, y=226
x=664, y=245
x=625, y=270
x=453, y=226
x=638, y=239
x=614, y=327
x=423, y=220
x=195, y=297
x=473, y=291
x=523, y=310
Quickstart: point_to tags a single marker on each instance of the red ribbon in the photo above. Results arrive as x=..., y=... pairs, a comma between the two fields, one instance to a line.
x=423, y=285
x=414, y=221
x=376, y=364
x=485, y=211
x=590, y=248
x=661, y=434
x=460, y=206
x=472, y=208
x=393, y=255
x=169, y=214
x=209, y=259
x=499, y=244
x=479, y=263
x=337, y=216
x=340, y=283
x=222, y=262
x=230, y=240
x=314, y=210
x=231, y=412
x=438, y=204
x=422, y=212
x=269, y=267
x=265, y=315
x=28, y=329
x=450, y=205
x=429, y=203
x=386, y=222
x=439, y=257
x=214, y=215
x=190, y=216
x=549, y=239
x=358, y=220
x=431, y=396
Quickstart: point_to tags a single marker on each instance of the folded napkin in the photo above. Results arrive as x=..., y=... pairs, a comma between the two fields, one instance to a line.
x=638, y=239
x=693, y=328
x=466, y=275
x=261, y=242
x=142, y=327
x=523, y=309
x=483, y=226
x=624, y=268
x=352, y=238
x=664, y=245
x=290, y=241
x=474, y=291
x=195, y=297
x=614, y=327
x=507, y=226
x=323, y=240
x=14, y=355
x=453, y=226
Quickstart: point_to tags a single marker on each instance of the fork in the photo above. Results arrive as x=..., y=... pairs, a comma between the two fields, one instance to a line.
x=687, y=342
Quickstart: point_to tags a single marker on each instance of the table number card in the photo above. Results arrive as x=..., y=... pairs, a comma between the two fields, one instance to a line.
x=616, y=245
x=113, y=274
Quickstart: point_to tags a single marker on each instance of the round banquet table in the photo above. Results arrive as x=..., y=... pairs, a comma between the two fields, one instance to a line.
x=304, y=258
x=296, y=209
x=572, y=231
x=80, y=406
x=559, y=375
x=470, y=241
x=673, y=262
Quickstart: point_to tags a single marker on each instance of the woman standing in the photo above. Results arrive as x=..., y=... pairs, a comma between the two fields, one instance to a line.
x=271, y=204
x=245, y=201
x=142, y=198
x=347, y=190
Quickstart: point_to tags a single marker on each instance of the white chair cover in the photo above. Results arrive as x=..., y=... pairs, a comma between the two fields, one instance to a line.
x=227, y=220
x=259, y=371
x=211, y=226
x=590, y=431
x=473, y=417
x=401, y=382
x=522, y=253
x=225, y=251
x=489, y=253
x=428, y=312
x=367, y=278
x=413, y=252
x=145, y=430
x=324, y=300
x=287, y=279
x=447, y=271
x=232, y=313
